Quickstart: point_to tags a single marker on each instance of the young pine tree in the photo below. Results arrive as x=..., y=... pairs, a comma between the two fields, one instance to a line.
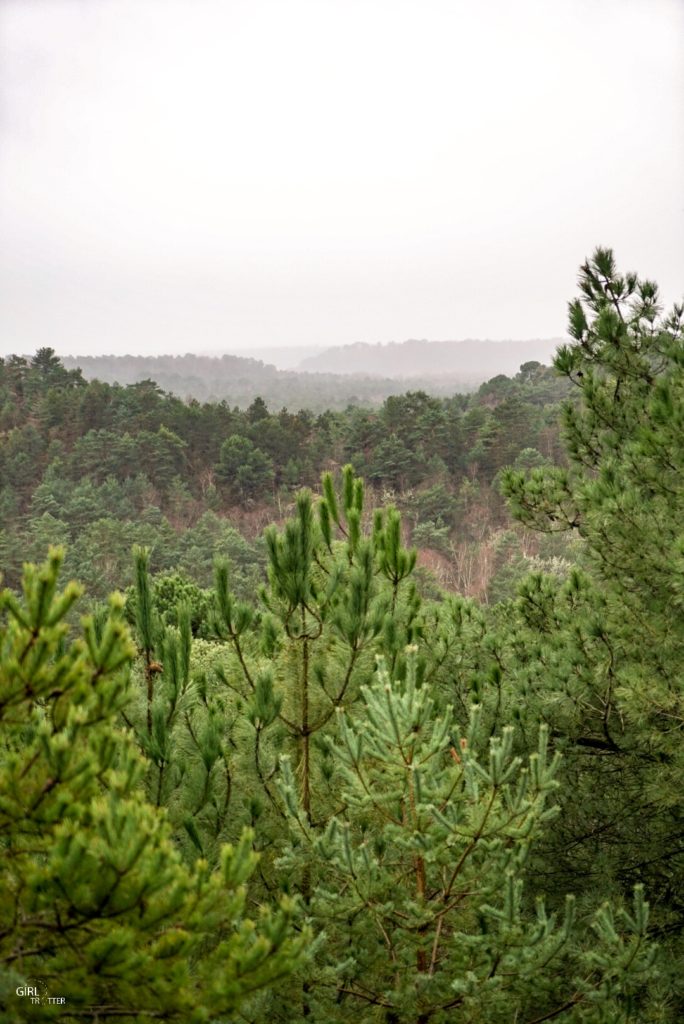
x=181, y=718
x=338, y=593
x=96, y=906
x=421, y=879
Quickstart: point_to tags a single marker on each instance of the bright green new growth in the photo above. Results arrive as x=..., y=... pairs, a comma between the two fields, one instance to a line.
x=95, y=902
x=337, y=594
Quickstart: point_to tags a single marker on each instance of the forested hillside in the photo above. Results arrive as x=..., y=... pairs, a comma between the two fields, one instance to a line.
x=239, y=380
x=471, y=361
x=99, y=467
x=310, y=767
x=332, y=379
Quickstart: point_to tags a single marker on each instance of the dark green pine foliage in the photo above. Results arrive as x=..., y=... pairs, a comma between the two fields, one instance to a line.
x=601, y=657
x=244, y=470
x=420, y=878
x=96, y=905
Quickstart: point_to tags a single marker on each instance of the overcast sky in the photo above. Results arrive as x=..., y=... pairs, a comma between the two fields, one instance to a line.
x=193, y=175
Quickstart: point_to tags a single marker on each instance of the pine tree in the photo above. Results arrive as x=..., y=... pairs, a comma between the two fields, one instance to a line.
x=339, y=590
x=244, y=470
x=96, y=905
x=601, y=656
x=180, y=718
x=420, y=872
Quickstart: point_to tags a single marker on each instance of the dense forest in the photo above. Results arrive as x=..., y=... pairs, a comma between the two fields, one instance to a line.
x=370, y=714
x=99, y=467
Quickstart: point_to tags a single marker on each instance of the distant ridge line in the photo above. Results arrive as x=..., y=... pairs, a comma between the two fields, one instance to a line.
x=469, y=357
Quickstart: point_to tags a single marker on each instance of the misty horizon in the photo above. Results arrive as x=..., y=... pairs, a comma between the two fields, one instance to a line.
x=291, y=352
x=246, y=176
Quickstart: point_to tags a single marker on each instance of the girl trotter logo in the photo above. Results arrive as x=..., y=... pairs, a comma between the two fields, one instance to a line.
x=37, y=992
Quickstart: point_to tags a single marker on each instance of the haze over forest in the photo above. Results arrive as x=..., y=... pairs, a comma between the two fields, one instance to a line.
x=330, y=378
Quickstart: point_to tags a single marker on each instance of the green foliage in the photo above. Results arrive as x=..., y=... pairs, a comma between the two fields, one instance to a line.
x=179, y=721
x=169, y=593
x=420, y=889
x=244, y=470
x=123, y=465
x=337, y=593
x=598, y=654
x=94, y=899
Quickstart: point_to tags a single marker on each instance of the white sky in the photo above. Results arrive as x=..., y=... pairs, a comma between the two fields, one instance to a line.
x=180, y=175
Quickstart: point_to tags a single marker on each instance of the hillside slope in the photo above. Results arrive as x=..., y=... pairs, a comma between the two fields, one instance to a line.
x=470, y=361
x=239, y=380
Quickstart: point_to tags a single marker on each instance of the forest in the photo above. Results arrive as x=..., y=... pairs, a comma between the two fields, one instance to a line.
x=239, y=380
x=334, y=378
x=370, y=712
